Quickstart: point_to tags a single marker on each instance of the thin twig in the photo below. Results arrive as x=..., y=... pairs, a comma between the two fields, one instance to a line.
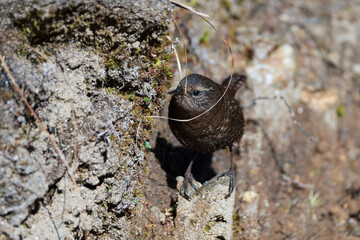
x=296, y=183
x=53, y=222
x=186, y=62
x=292, y=115
x=64, y=204
x=178, y=63
x=176, y=55
x=138, y=132
x=53, y=142
x=75, y=136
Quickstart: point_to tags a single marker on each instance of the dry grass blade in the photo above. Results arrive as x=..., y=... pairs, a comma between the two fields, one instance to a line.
x=183, y=40
x=187, y=7
x=75, y=135
x=177, y=58
x=178, y=63
x=296, y=183
x=53, y=222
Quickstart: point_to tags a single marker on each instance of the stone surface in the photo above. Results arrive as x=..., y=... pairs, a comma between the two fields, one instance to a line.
x=86, y=67
x=208, y=214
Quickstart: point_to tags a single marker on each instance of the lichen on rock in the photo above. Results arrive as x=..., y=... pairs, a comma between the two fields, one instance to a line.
x=94, y=60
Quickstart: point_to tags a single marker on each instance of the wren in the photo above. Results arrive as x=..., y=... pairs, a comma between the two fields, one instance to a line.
x=216, y=129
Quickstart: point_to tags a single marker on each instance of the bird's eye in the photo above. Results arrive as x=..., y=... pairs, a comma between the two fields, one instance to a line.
x=196, y=93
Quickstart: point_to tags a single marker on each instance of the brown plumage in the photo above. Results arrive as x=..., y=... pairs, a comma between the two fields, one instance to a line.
x=216, y=129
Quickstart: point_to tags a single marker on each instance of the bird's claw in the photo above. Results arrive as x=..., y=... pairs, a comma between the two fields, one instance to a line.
x=183, y=189
x=232, y=174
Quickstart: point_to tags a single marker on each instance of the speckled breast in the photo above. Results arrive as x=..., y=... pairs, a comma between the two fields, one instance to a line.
x=218, y=128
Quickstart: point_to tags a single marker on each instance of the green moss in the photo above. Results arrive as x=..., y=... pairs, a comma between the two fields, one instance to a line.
x=170, y=74
x=36, y=25
x=112, y=137
x=147, y=145
x=235, y=216
x=207, y=228
x=205, y=37
x=341, y=111
x=22, y=52
x=315, y=171
x=146, y=100
x=226, y=4
x=194, y=3
x=111, y=63
x=131, y=96
x=34, y=54
x=157, y=62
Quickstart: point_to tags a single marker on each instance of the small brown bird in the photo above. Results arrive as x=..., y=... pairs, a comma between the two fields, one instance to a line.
x=216, y=129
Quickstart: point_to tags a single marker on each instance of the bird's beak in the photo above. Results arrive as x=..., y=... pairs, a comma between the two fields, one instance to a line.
x=175, y=92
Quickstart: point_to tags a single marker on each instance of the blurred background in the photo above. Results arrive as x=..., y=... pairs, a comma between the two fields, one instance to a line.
x=303, y=58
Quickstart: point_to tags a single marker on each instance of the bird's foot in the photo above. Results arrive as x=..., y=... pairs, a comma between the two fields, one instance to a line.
x=189, y=179
x=232, y=174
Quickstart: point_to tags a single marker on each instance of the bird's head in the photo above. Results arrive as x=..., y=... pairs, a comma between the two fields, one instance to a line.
x=195, y=94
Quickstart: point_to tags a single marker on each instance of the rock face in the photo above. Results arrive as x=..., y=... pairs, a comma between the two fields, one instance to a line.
x=208, y=214
x=87, y=68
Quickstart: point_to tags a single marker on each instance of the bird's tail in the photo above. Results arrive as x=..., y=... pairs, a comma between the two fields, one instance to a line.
x=238, y=80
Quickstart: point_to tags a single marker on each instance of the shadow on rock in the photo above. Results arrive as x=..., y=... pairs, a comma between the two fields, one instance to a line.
x=175, y=159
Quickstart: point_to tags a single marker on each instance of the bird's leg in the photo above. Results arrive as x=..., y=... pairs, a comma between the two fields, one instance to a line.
x=231, y=173
x=188, y=179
